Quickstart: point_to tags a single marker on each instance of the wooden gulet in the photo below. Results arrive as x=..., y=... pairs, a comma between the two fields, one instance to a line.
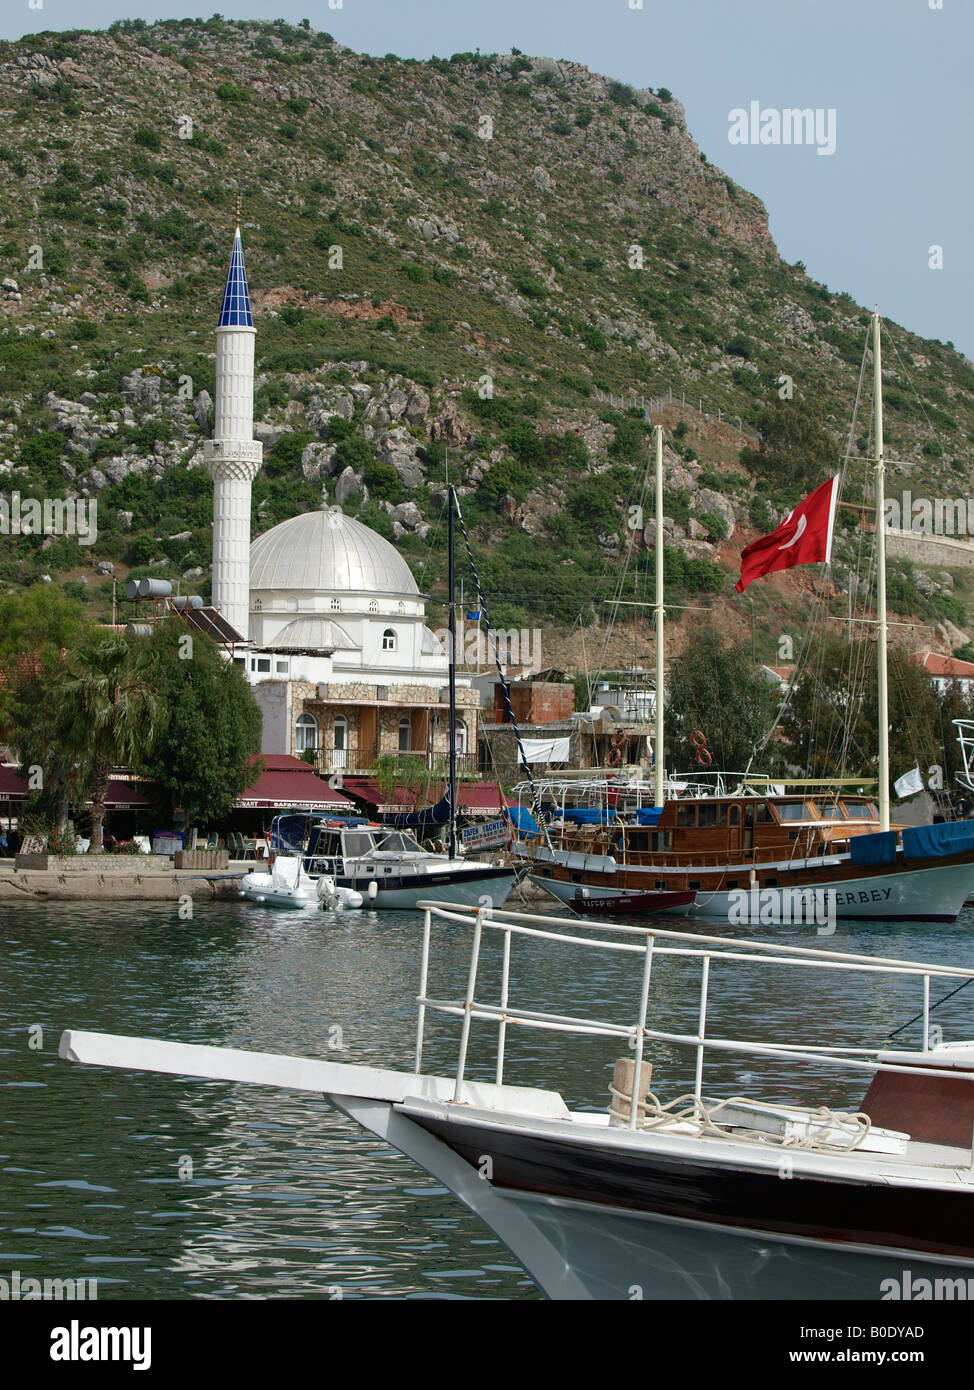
x=753, y=855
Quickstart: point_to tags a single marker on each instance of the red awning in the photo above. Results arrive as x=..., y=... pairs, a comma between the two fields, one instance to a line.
x=476, y=797
x=288, y=783
x=12, y=787
x=481, y=796
x=368, y=789
x=125, y=796
x=471, y=796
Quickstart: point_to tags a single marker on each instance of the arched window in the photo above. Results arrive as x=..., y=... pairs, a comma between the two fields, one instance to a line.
x=336, y=605
x=306, y=733
x=460, y=737
x=405, y=734
x=373, y=605
x=402, y=606
x=388, y=640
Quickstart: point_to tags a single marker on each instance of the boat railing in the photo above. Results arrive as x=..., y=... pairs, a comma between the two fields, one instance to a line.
x=647, y=944
x=596, y=847
x=965, y=737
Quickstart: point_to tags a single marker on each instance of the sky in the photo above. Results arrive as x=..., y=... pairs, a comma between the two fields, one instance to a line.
x=887, y=215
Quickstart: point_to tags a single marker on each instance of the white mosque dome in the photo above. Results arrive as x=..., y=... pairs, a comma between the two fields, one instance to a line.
x=314, y=634
x=328, y=552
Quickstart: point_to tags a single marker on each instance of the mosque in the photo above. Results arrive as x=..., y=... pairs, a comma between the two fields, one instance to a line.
x=332, y=623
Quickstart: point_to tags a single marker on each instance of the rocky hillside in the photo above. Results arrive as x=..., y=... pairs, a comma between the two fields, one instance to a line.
x=470, y=267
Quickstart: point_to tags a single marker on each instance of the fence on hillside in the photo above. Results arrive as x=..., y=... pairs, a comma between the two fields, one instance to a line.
x=655, y=405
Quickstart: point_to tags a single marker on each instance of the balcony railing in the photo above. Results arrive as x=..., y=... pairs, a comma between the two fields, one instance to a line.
x=362, y=760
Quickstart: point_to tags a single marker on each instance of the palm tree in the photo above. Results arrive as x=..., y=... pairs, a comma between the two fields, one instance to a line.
x=106, y=715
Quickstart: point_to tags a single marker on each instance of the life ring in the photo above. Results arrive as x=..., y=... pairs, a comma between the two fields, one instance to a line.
x=698, y=738
x=614, y=758
x=704, y=757
x=618, y=738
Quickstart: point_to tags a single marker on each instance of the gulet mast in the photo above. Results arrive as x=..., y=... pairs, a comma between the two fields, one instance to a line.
x=881, y=625
x=659, y=772
x=452, y=735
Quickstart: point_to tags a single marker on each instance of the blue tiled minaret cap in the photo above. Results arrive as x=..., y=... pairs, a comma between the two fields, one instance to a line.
x=236, y=311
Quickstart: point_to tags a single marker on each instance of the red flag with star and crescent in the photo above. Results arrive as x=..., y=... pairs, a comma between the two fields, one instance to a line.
x=803, y=537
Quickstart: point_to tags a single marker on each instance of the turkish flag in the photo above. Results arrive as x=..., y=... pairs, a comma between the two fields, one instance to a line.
x=804, y=536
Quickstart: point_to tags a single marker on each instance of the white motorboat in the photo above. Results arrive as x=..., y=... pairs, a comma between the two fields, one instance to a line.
x=392, y=870
x=695, y=1197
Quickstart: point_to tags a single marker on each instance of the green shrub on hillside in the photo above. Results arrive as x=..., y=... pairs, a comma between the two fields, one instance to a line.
x=381, y=478
x=229, y=91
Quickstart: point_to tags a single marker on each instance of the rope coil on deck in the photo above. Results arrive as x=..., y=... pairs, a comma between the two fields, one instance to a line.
x=700, y=1111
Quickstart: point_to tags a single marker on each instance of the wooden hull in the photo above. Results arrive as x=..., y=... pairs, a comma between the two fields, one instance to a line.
x=932, y=892
x=631, y=904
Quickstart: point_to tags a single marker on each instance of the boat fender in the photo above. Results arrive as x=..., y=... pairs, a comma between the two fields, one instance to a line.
x=373, y=889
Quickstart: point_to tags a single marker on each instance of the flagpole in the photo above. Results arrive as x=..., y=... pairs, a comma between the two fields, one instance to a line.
x=882, y=681
x=659, y=775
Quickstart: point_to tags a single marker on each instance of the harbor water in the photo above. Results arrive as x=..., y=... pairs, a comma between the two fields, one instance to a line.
x=165, y=1188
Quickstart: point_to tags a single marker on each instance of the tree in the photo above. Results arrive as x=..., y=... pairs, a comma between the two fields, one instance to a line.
x=796, y=448
x=209, y=727
x=952, y=704
x=104, y=715
x=914, y=713
x=714, y=688
x=833, y=719
x=36, y=627
x=408, y=773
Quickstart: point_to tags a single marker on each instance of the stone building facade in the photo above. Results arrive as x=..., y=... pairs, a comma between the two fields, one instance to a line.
x=341, y=660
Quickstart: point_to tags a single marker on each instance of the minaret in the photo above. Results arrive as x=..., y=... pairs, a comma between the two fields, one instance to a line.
x=233, y=456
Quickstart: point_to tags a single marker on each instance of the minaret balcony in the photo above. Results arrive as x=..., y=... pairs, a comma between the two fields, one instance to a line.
x=233, y=451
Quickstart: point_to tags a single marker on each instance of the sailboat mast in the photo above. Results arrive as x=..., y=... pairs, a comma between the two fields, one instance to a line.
x=881, y=631
x=452, y=733
x=659, y=775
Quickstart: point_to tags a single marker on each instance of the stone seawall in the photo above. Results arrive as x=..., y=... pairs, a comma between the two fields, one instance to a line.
x=67, y=885
x=95, y=863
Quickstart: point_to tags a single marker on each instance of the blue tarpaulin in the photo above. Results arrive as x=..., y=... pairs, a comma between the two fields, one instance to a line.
x=590, y=815
x=523, y=820
x=425, y=821
x=649, y=815
x=935, y=841
x=879, y=848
